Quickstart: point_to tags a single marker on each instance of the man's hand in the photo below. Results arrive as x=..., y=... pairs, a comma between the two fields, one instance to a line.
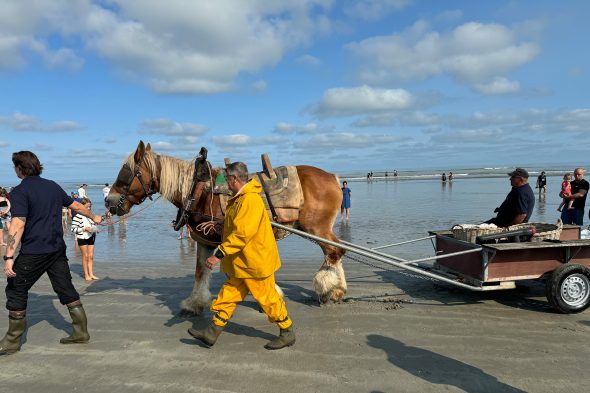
x=97, y=219
x=212, y=261
x=8, y=265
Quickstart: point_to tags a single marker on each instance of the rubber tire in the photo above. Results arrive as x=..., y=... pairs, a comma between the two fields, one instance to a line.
x=553, y=284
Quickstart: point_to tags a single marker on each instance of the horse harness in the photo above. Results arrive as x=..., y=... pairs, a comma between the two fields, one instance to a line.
x=126, y=176
x=200, y=175
x=187, y=210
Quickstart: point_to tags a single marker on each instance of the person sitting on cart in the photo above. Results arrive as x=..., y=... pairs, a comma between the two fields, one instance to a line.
x=519, y=203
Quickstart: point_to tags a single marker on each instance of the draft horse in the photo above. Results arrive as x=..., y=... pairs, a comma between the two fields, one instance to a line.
x=145, y=173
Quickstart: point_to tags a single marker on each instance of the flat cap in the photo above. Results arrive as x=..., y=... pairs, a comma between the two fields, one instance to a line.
x=519, y=172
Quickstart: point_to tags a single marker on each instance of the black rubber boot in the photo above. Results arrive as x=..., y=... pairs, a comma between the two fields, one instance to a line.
x=207, y=336
x=11, y=341
x=80, y=327
x=286, y=339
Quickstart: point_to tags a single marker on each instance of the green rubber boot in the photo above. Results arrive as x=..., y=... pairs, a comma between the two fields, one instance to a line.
x=80, y=327
x=286, y=339
x=207, y=336
x=11, y=341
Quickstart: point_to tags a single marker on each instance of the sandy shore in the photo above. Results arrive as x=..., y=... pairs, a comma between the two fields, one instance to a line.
x=395, y=333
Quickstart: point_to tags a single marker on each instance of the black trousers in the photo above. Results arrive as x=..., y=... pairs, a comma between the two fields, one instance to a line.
x=29, y=268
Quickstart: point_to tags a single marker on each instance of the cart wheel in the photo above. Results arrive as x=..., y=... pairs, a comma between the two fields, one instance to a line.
x=568, y=288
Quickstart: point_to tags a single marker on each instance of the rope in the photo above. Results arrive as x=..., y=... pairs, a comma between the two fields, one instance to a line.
x=128, y=215
x=206, y=227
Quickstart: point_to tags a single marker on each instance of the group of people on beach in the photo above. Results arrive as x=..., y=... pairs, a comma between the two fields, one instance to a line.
x=36, y=207
x=444, y=177
x=248, y=254
x=385, y=175
x=573, y=193
x=518, y=205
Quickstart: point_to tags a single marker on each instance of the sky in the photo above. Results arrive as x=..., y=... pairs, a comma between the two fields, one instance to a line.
x=342, y=85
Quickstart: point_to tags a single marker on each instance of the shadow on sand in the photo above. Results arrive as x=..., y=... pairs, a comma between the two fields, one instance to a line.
x=524, y=296
x=437, y=369
x=43, y=308
x=170, y=291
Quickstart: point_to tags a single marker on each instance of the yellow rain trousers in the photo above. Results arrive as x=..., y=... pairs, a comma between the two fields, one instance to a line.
x=251, y=258
x=262, y=289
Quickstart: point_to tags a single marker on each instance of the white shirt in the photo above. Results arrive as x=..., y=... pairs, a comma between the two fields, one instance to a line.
x=79, y=222
x=105, y=192
x=82, y=192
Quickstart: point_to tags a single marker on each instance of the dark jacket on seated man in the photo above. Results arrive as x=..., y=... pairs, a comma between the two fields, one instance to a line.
x=519, y=203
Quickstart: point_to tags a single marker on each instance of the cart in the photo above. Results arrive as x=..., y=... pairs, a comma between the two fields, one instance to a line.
x=564, y=264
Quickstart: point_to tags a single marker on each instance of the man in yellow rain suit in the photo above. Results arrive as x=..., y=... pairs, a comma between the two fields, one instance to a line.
x=250, y=257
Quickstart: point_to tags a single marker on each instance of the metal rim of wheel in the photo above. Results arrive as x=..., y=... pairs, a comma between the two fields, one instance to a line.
x=575, y=290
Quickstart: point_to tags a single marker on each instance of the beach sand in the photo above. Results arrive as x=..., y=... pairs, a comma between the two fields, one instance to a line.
x=394, y=333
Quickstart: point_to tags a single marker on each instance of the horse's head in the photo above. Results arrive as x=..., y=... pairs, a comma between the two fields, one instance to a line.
x=135, y=182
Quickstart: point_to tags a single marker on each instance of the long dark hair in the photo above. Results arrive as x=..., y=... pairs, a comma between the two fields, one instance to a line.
x=27, y=163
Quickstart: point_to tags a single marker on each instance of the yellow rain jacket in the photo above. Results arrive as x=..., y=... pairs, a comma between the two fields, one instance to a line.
x=248, y=245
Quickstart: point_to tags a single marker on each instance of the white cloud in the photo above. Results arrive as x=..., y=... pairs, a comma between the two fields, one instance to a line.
x=499, y=85
x=360, y=100
x=405, y=119
x=259, y=85
x=374, y=9
x=309, y=60
x=21, y=122
x=182, y=47
x=471, y=53
x=232, y=140
x=449, y=16
x=236, y=140
x=309, y=128
x=165, y=146
x=345, y=140
x=4, y=144
x=37, y=26
x=479, y=136
x=170, y=127
x=65, y=126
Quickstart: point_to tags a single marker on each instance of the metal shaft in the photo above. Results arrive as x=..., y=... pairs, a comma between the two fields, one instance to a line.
x=372, y=254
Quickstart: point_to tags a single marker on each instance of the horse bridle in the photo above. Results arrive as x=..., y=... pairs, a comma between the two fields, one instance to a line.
x=126, y=176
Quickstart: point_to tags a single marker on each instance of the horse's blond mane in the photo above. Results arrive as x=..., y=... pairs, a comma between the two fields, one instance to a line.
x=176, y=175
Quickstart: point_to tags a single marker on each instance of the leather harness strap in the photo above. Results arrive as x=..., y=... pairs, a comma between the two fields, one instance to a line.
x=275, y=217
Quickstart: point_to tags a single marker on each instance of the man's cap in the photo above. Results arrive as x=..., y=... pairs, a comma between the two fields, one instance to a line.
x=519, y=172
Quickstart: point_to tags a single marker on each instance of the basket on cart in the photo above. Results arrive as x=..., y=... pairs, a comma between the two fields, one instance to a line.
x=470, y=232
x=543, y=230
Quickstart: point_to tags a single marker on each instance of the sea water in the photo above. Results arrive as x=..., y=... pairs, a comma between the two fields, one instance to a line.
x=383, y=212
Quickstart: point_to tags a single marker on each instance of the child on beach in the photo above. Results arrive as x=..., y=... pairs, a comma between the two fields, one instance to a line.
x=566, y=190
x=85, y=230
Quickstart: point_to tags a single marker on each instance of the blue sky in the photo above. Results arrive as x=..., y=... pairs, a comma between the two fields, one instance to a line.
x=343, y=85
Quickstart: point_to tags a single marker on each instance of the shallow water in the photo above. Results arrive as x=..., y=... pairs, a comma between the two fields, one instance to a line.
x=383, y=212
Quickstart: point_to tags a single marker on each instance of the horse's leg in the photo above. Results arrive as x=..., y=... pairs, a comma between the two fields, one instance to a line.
x=200, y=296
x=330, y=282
x=322, y=201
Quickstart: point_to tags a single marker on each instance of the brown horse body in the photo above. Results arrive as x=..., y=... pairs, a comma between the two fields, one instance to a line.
x=146, y=173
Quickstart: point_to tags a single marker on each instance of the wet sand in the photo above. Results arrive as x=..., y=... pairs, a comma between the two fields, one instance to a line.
x=394, y=333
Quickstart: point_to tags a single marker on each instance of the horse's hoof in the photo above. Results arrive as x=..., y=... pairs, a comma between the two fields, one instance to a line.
x=337, y=295
x=184, y=313
x=191, y=311
x=323, y=299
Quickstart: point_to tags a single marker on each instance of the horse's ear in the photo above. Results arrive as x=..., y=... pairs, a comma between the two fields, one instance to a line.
x=139, y=152
x=202, y=157
x=148, y=148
